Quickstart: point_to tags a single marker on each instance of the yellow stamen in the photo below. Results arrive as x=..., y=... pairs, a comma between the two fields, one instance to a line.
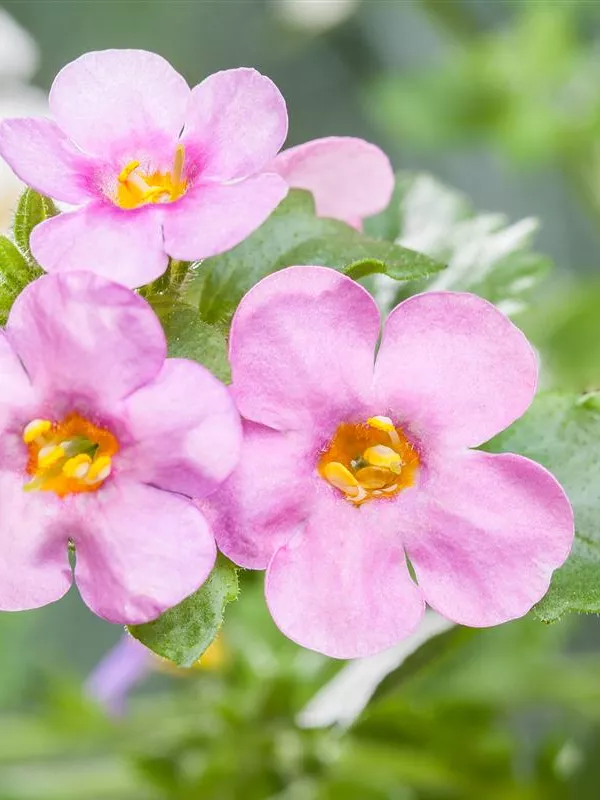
x=382, y=456
x=154, y=192
x=77, y=467
x=35, y=429
x=385, y=424
x=363, y=462
x=60, y=459
x=341, y=477
x=136, y=181
x=139, y=185
x=127, y=170
x=381, y=423
x=99, y=470
x=178, y=165
x=50, y=455
x=373, y=477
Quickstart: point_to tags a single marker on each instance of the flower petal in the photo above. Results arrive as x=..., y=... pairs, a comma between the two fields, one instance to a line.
x=301, y=348
x=259, y=508
x=17, y=391
x=42, y=156
x=34, y=568
x=111, y=99
x=121, y=669
x=139, y=551
x=349, y=178
x=186, y=429
x=124, y=246
x=452, y=365
x=342, y=586
x=82, y=335
x=236, y=123
x=493, y=530
x=213, y=218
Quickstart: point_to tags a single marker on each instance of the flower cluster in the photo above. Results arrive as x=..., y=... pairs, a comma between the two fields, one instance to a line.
x=350, y=477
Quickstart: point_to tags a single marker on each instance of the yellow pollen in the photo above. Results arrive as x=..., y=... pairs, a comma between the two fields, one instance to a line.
x=153, y=193
x=381, y=423
x=385, y=424
x=178, y=164
x=136, y=187
x=373, y=477
x=35, y=429
x=382, y=456
x=69, y=456
x=126, y=171
x=77, y=467
x=341, y=477
x=369, y=461
x=99, y=470
x=50, y=455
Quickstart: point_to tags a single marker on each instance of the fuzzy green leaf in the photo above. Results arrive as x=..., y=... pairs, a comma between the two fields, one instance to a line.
x=189, y=336
x=15, y=274
x=562, y=432
x=183, y=633
x=32, y=209
x=293, y=235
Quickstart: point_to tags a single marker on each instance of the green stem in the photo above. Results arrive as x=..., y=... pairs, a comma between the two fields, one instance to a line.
x=177, y=272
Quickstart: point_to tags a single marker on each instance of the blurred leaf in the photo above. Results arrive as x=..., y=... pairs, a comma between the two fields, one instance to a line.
x=483, y=253
x=562, y=432
x=189, y=336
x=32, y=209
x=435, y=649
x=535, y=107
x=565, y=326
x=184, y=632
x=294, y=235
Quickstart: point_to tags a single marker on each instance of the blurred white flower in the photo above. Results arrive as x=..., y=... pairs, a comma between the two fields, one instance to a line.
x=483, y=253
x=341, y=701
x=314, y=16
x=18, y=62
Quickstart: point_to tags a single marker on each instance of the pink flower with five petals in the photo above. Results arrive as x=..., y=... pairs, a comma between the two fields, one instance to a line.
x=104, y=443
x=353, y=464
x=154, y=168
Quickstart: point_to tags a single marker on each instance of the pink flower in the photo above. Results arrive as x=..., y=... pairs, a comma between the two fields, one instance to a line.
x=154, y=168
x=351, y=464
x=121, y=669
x=350, y=179
x=104, y=441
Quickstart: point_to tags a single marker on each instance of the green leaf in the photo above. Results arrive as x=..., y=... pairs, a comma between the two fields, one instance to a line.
x=483, y=253
x=189, y=336
x=431, y=652
x=32, y=209
x=15, y=274
x=183, y=633
x=293, y=235
x=562, y=432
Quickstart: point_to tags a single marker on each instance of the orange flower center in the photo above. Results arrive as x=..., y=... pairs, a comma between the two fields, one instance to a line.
x=136, y=188
x=68, y=457
x=369, y=460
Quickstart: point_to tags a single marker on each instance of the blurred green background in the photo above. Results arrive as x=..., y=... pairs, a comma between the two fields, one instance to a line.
x=500, y=100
